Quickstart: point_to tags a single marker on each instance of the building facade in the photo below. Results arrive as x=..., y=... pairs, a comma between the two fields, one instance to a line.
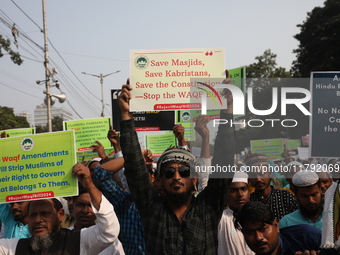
x=40, y=114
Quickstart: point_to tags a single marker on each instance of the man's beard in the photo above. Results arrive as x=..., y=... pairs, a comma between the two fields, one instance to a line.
x=41, y=242
x=309, y=213
x=179, y=199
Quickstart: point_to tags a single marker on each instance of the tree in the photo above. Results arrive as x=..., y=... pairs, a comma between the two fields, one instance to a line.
x=319, y=41
x=57, y=125
x=265, y=68
x=6, y=45
x=9, y=121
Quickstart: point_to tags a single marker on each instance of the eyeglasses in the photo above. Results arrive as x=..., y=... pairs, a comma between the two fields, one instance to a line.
x=184, y=171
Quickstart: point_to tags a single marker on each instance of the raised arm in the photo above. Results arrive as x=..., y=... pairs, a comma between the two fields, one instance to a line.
x=95, y=239
x=205, y=158
x=84, y=177
x=178, y=130
x=135, y=168
x=113, y=137
x=219, y=182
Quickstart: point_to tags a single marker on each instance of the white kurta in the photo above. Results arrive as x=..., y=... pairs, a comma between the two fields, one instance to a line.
x=231, y=240
x=93, y=240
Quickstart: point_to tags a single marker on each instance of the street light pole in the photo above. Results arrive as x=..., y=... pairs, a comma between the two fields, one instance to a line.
x=101, y=76
x=47, y=70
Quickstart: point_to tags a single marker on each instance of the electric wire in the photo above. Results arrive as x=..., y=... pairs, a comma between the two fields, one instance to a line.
x=27, y=15
x=7, y=21
x=11, y=87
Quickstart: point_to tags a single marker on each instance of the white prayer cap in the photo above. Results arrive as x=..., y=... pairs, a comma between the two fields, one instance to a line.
x=296, y=163
x=240, y=177
x=305, y=178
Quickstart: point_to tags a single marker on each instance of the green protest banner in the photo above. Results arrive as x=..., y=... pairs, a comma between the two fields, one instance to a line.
x=89, y=131
x=88, y=155
x=293, y=144
x=19, y=131
x=37, y=166
x=272, y=148
x=238, y=77
x=159, y=143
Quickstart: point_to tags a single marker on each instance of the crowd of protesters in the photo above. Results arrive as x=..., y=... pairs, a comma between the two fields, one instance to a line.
x=133, y=205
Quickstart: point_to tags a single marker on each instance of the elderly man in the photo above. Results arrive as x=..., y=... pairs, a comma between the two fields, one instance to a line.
x=45, y=216
x=177, y=222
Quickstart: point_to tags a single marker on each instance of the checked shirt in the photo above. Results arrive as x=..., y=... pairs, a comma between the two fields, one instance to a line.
x=164, y=234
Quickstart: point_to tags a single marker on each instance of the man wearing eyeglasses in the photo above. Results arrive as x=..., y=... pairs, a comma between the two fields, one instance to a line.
x=177, y=223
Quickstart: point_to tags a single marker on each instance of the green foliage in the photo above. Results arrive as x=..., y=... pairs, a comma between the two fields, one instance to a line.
x=319, y=41
x=9, y=121
x=6, y=45
x=57, y=125
x=265, y=68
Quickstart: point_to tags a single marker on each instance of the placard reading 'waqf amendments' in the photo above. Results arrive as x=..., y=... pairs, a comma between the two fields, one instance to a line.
x=37, y=166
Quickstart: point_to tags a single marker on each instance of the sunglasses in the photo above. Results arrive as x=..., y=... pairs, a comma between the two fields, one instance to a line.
x=184, y=171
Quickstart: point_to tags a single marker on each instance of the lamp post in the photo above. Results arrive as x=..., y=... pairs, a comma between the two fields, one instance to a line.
x=101, y=76
x=47, y=71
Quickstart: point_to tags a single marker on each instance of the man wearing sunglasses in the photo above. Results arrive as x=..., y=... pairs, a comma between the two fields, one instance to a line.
x=177, y=223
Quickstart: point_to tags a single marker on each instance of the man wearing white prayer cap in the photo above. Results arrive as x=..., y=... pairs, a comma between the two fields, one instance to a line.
x=307, y=188
x=230, y=240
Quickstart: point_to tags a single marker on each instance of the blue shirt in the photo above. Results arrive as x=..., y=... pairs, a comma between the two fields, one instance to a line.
x=299, y=238
x=131, y=228
x=13, y=228
x=296, y=218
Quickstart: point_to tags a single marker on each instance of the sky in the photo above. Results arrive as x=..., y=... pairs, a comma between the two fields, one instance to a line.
x=96, y=37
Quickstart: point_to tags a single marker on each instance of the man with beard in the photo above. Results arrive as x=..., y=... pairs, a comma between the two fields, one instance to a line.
x=178, y=222
x=15, y=218
x=262, y=234
x=307, y=187
x=45, y=216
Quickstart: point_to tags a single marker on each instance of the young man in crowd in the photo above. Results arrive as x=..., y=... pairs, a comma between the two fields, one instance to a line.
x=307, y=188
x=85, y=218
x=281, y=202
x=262, y=234
x=15, y=219
x=230, y=239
